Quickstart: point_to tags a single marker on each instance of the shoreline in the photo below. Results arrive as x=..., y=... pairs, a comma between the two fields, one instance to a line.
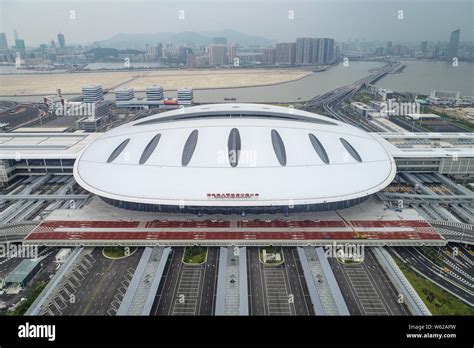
x=305, y=75
x=154, y=69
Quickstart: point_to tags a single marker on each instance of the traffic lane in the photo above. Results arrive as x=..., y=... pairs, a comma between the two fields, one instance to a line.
x=384, y=286
x=256, y=283
x=345, y=286
x=165, y=294
x=302, y=302
x=209, y=282
x=437, y=269
x=433, y=274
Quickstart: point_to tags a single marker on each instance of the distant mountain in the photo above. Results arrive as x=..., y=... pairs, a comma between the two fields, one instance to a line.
x=236, y=37
x=137, y=41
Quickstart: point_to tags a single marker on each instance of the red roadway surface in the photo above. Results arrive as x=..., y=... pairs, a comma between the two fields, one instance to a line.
x=47, y=230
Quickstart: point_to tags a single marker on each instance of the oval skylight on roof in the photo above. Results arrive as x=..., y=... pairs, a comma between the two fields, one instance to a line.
x=318, y=147
x=279, y=147
x=351, y=150
x=118, y=150
x=233, y=147
x=189, y=148
x=149, y=149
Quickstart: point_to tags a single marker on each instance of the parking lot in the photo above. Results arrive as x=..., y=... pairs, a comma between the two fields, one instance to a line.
x=366, y=288
x=95, y=285
x=66, y=293
x=187, y=289
x=277, y=289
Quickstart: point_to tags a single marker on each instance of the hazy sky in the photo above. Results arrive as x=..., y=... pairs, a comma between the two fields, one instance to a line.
x=39, y=21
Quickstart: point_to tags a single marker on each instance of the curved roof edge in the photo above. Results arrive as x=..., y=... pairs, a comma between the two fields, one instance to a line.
x=208, y=110
x=237, y=202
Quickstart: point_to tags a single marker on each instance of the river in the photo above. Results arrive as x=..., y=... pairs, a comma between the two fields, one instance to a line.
x=425, y=76
x=418, y=76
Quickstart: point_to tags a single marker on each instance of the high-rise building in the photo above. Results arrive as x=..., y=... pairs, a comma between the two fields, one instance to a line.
x=389, y=47
x=20, y=46
x=329, y=51
x=159, y=50
x=424, y=46
x=92, y=93
x=154, y=93
x=316, y=50
x=320, y=55
x=183, y=52
x=217, y=54
x=232, y=53
x=285, y=53
x=185, y=95
x=3, y=41
x=308, y=51
x=153, y=53
x=299, y=50
x=202, y=61
x=454, y=44
x=304, y=50
x=268, y=56
x=190, y=61
x=219, y=41
x=61, y=40
x=124, y=94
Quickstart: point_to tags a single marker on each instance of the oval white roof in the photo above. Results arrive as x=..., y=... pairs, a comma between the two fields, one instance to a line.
x=279, y=163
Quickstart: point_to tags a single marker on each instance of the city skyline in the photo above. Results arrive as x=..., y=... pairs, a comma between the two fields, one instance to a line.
x=284, y=21
x=140, y=41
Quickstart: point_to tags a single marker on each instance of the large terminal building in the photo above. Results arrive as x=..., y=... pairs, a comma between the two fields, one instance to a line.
x=235, y=158
x=200, y=174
